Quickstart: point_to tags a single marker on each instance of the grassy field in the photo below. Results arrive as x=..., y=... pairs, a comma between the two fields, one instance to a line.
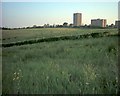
x=87, y=66
x=26, y=34
x=0, y=70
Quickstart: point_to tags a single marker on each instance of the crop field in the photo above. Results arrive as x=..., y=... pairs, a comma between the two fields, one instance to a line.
x=85, y=66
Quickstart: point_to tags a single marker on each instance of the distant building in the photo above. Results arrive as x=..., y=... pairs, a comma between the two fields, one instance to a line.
x=34, y=26
x=71, y=25
x=112, y=25
x=98, y=22
x=77, y=19
x=65, y=24
x=46, y=25
x=117, y=24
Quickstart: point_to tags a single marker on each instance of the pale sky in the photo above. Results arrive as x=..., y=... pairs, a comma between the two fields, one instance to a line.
x=59, y=0
x=23, y=14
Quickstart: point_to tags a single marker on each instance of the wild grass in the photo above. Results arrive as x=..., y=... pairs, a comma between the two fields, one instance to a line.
x=9, y=36
x=0, y=62
x=57, y=38
x=87, y=66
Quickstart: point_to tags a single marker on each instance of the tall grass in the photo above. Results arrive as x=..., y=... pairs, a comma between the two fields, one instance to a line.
x=27, y=34
x=87, y=66
x=50, y=39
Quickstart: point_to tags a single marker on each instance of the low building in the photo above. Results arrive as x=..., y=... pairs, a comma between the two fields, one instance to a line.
x=98, y=22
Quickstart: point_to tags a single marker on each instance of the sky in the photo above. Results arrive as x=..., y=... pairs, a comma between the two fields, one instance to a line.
x=23, y=14
x=60, y=0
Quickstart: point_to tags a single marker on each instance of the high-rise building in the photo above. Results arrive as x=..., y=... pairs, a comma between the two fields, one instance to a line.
x=77, y=19
x=117, y=24
x=98, y=22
